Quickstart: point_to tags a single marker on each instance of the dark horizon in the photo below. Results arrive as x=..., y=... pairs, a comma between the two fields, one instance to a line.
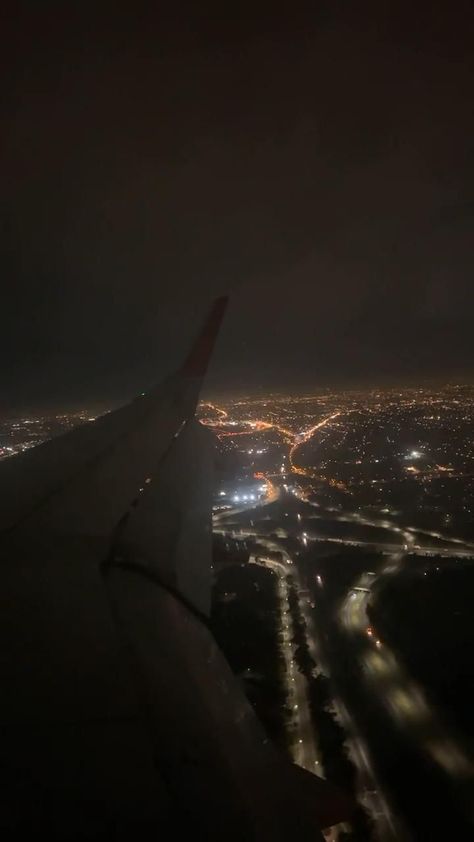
x=317, y=165
x=99, y=405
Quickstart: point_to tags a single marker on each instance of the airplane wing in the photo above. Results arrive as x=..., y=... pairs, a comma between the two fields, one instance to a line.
x=120, y=717
x=95, y=470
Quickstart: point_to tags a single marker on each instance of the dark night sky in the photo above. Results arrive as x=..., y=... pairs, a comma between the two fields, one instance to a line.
x=317, y=164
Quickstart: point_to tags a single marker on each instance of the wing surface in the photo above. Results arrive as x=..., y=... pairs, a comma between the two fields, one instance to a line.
x=120, y=717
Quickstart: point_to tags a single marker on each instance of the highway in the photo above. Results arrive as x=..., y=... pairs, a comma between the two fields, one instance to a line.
x=385, y=676
x=302, y=438
x=406, y=537
x=293, y=439
x=304, y=748
x=381, y=666
x=394, y=549
x=369, y=791
x=408, y=714
x=398, y=692
x=381, y=670
x=304, y=741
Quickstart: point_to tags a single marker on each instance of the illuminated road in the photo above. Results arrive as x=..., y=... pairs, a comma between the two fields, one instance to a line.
x=304, y=748
x=383, y=672
x=369, y=792
x=302, y=438
x=294, y=440
x=388, y=683
x=404, y=699
x=398, y=692
x=221, y=412
x=381, y=669
x=391, y=549
x=406, y=536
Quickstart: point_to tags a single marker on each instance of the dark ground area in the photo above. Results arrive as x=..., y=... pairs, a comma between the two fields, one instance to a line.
x=244, y=621
x=436, y=637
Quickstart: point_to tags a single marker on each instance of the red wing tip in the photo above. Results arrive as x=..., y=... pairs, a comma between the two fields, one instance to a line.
x=198, y=358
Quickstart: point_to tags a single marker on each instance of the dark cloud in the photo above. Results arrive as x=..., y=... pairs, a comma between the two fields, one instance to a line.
x=317, y=164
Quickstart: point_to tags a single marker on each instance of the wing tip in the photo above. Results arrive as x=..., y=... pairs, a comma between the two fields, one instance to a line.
x=197, y=361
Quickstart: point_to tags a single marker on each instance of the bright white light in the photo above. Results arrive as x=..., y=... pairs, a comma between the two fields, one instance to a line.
x=245, y=497
x=222, y=493
x=252, y=496
x=236, y=498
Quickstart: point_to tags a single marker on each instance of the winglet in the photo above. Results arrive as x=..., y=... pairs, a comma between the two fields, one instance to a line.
x=195, y=364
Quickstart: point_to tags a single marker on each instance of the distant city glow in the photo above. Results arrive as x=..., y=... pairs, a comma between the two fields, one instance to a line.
x=357, y=457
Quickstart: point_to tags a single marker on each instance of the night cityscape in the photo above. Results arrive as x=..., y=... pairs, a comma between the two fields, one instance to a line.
x=237, y=421
x=367, y=495
x=343, y=572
